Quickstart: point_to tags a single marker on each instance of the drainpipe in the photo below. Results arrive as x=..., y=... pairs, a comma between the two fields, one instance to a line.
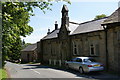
x=41, y=52
x=106, y=46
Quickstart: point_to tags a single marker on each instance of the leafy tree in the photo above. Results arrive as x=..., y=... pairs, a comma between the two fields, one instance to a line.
x=15, y=19
x=100, y=16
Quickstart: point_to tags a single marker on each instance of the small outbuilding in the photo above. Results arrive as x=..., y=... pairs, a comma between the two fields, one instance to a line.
x=29, y=53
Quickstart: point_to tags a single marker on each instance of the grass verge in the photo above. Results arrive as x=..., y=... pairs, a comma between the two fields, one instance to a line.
x=3, y=74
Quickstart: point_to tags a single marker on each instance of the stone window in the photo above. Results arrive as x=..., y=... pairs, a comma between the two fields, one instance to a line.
x=53, y=49
x=118, y=35
x=75, y=48
x=94, y=50
x=28, y=57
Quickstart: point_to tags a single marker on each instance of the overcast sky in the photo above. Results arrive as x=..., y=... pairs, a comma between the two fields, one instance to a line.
x=78, y=12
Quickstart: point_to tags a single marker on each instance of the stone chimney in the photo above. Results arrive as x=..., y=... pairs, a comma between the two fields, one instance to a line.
x=48, y=31
x=56, y=25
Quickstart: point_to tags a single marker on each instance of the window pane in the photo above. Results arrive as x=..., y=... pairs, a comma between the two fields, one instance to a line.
x=79, y=60
x=92, y=50
x=89, y=60
x=75, y=50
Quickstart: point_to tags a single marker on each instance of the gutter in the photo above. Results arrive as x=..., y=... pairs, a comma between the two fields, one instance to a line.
x=106, y=46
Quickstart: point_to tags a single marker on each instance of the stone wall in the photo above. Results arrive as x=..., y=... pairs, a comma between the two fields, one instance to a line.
x=25, y=55
x=55, y=49
x=84, y=41
x=114, y=49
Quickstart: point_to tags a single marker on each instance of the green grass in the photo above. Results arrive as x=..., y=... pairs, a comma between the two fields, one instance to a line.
x=3, y=74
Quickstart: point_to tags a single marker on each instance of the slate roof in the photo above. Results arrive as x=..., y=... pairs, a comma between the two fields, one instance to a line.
x=72, y=26
x=89, y=26
x=30, y=47
x=115, y=17
x=76, y=28
x=54, y=33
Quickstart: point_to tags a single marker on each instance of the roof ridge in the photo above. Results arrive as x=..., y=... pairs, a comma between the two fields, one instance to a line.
x=30, y=47
x=73, y=22
x=114, y=17
x=93, y=20
x=53, y=31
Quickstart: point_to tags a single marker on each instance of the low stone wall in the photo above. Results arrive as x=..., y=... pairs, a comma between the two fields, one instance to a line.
x=56, y=62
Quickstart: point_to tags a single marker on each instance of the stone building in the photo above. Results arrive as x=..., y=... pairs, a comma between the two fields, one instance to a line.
x=29, y=54
x=92, y=38
x=112, y=24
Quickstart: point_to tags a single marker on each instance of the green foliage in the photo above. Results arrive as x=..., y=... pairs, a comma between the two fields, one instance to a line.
x=3, y=74
x=15, y=19
x=14, y=24
x=100, y=16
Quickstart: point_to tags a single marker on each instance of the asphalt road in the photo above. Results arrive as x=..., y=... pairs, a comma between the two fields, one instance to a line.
x=40, y=71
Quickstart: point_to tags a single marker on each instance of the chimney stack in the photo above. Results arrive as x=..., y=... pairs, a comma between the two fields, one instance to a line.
x=56, y=25
x=48, y=31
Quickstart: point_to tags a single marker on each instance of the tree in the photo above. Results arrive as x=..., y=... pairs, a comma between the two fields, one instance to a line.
x=15, y=19
x=100, y=16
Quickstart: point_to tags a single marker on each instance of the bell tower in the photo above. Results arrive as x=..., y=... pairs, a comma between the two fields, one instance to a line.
x=65, y=18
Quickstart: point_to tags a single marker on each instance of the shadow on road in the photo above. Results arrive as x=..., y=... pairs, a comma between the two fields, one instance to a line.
x=34, y=66
x=91, y=75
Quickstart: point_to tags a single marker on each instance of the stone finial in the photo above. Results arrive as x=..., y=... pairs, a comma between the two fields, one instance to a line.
x=48, y=31
x=64, y=9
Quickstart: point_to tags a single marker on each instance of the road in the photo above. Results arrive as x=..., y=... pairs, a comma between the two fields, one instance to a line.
x=40, y=71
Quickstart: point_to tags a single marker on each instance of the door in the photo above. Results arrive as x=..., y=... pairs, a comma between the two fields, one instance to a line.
x=28, y=57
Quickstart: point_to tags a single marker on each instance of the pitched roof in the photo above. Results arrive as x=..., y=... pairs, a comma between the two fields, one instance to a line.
x=72, y=26
x=76, y=28
x=89, y=26
x=115, y=17
x=53, y=34
x=30, y=47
